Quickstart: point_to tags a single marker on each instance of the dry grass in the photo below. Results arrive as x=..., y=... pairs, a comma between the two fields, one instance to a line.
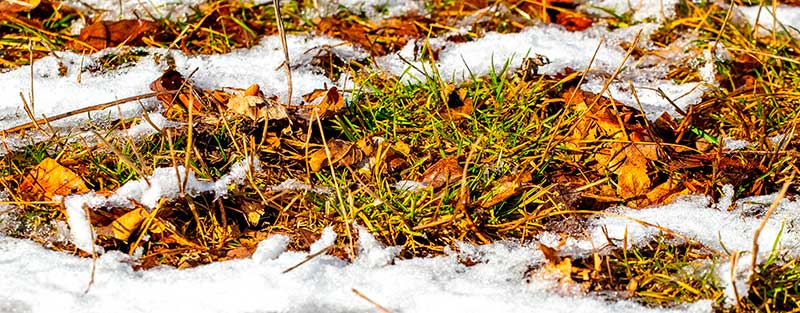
x=524, y=160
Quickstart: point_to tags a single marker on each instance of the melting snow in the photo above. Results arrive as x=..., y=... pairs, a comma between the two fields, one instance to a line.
x=38, y=280
x=567, y=51
x=164, y=183
x=787, y=18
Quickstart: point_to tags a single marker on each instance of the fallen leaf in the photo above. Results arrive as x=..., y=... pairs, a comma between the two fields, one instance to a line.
x=104, y=34
x=240, y=252
x=332, y=103
x=457, y=107
x=632, y=180
x=573, y=21
x=550, y=254
x=50, y=179
x=127, y=224
x=443, y=172
x=666, y=192
x=506, y=187
x=16, y=6
x=342, y=152
x=256, y=107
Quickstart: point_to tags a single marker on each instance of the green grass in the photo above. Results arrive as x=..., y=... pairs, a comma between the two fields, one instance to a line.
x=517, y=125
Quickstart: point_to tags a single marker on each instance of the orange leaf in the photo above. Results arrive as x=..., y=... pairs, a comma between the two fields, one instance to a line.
x=50, y=179
x=332, y=103
x=342, y=152
x=632, y=180
x=16, y=6
x=125, y=225
x=573, y=21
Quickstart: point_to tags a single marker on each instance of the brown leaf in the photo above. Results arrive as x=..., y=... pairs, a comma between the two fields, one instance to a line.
x=342, y=152
x=256, y=107
x=332, y=103
x=240, y=252
x=50, y=178
x=506, y=187
x=103, y=34
x=16, y=6
x=443, y=172
x=550, y=254
x=666, y=192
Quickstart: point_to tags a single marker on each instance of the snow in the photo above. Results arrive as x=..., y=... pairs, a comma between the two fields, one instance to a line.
x=38, y=280
x=725, y=232
x=164, y=184
x=238, y=69
x=180, y=9
x=787, y=18
x=144, y=9
x=640, y=10
x=460, y=62
x=443, y=284
x=374, y=9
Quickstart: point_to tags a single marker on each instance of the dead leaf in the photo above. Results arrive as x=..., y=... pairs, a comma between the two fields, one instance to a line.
x=253, y=90
x=16, y=6
x=252, y=212
x=342, y=152
x=506, y=187
x=104, y=34
x=50, y=179
x=632, y=180
x=457, y=106
x=256, y=107
x=123, y=227
x=557, y=271
x=550, y=254
x=240, y=252
x=573, y=21
x=332, y=103
x=443, y=172
x=666, y=192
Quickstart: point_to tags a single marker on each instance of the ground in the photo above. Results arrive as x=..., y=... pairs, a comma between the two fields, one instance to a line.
x=474, y=155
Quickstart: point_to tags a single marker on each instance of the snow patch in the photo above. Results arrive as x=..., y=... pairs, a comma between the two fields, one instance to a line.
x=324, y=284
x=164, y=183
x=567, y=51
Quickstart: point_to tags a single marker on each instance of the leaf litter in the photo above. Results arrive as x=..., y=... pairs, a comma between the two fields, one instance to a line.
x=607, y=153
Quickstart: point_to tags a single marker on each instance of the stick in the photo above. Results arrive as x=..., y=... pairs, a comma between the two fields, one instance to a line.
x=286, y=63
x=771, y=209
x=308, y=258
x=377, y=306
x=98, y=107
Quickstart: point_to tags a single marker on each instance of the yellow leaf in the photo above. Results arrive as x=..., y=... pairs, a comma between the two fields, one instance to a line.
x=123, y=227
x=50, y=179
x=632, y=180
